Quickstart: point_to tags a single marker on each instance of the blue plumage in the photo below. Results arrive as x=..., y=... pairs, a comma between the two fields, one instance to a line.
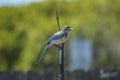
x=55, y=37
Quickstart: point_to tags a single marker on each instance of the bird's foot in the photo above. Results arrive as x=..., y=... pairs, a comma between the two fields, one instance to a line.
x=58, y=46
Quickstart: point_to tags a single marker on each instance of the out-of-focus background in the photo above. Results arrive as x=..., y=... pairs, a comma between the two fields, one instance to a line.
x=25, y=26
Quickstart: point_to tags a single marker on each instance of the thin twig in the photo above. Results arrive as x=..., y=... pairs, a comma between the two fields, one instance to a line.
x=61, y=74
x=57, y=18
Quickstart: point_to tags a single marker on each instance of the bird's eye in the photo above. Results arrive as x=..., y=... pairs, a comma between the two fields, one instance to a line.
x=68, y=27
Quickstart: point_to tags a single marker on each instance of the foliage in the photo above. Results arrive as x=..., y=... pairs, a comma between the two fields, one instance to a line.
x=24, y=30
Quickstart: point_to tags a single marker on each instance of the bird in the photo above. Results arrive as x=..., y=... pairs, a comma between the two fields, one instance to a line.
x=55, y=40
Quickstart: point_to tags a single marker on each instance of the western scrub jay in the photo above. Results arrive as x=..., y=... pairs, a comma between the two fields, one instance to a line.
x=58, y=38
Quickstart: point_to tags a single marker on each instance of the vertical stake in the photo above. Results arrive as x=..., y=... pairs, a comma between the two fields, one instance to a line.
x=61, y=52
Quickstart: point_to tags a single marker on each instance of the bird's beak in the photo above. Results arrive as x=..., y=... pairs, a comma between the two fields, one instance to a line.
x=71, y=28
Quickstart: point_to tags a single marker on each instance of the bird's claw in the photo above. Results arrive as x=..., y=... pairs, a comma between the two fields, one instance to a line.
x=58, y=46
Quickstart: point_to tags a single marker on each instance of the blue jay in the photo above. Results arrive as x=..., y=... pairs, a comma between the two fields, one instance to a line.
x=58, y=38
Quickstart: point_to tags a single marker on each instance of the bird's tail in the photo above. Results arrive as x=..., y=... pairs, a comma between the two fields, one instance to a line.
x=42, y=53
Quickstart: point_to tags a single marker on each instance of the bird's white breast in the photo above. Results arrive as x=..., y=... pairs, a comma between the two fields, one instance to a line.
x=62, y=40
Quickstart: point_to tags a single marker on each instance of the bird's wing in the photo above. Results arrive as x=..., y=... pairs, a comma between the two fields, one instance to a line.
x=55, y=37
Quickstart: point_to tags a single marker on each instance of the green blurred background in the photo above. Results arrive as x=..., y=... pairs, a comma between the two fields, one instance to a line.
x=25, y=28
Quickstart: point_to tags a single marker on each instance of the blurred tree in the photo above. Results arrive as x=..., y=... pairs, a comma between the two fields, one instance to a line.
x=24, y=30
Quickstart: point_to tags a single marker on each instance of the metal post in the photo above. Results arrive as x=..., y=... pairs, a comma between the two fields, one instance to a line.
x=62, y=62
x=61, y=53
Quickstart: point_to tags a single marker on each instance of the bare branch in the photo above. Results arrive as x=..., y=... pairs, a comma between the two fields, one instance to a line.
x=57, y=18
